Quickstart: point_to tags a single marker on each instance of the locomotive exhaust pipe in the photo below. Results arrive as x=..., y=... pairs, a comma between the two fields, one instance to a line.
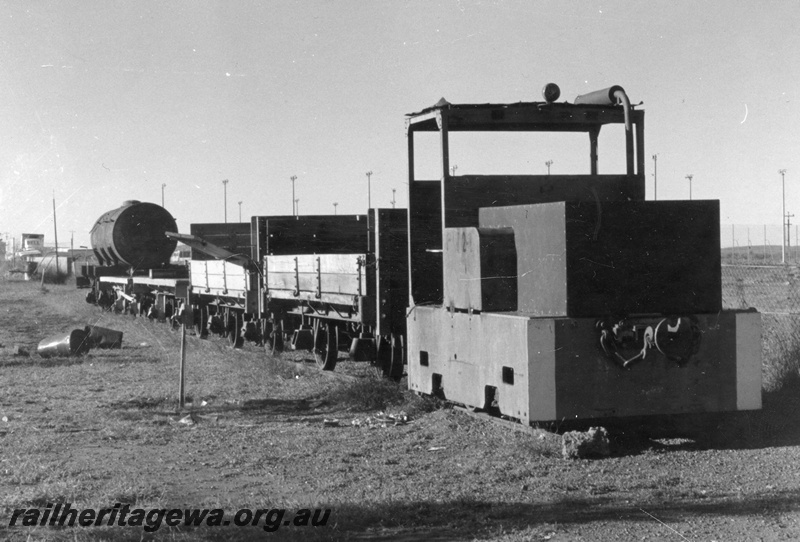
x=609, y=96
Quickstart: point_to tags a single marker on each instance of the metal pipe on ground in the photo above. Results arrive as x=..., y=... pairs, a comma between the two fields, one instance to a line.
x=102, y=337
x=73, y=344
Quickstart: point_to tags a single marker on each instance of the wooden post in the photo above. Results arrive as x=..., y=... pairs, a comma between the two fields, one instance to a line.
x=182, y=387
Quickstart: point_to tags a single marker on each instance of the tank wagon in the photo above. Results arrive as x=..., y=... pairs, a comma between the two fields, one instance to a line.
x=134, y=274
x=563, y=297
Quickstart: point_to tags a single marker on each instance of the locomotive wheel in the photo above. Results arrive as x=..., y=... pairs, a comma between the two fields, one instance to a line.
x=391, y=356
x=326, y=345
x=200, y=322
x=398, y=357
x=383, y=358
x=235, y=329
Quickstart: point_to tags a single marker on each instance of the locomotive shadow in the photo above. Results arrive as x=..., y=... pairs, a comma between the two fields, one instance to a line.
x=466, y=518
x=775, y=425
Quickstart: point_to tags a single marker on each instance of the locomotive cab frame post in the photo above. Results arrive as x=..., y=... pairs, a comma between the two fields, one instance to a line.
x=553, y=297
x=461, y=196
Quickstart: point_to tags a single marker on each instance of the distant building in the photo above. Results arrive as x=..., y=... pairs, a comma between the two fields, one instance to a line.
x=32, y=244
x=181, y=255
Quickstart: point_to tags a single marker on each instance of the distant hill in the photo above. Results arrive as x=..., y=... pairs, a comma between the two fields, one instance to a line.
x=759, y=254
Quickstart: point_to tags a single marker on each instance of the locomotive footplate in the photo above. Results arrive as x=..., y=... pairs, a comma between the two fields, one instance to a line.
x=547, y=369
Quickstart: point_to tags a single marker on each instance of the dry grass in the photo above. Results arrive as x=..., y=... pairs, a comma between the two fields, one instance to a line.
x=106, y=428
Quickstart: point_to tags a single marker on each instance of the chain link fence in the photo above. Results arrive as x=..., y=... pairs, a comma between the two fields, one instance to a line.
x=774, y=290
x=750, y=244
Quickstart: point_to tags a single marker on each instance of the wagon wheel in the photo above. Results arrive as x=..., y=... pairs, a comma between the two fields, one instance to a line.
x=169, y=310
x=174, y=316
x=273, y=337
x=235, y=329
x=201, y=321
x=326, y=345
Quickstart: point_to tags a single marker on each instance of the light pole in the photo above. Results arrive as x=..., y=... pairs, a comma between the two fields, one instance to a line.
x=335, y=204
x=293, y=178
x=548, y=164
x=162, y=193
x=690, y=177
x=55, y=235
x=240, y=211
x=655, y=177
x=393, y=198
x=225, y=198
x=783, y=214
x=369, y=190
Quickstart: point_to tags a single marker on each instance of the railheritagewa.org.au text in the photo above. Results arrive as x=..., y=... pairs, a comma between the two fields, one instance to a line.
x=151, y=520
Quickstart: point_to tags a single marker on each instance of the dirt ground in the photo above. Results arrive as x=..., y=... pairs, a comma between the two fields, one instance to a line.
x=264, y=433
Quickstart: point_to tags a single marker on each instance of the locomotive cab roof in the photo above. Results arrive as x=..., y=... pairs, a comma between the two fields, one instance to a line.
x=588, y=113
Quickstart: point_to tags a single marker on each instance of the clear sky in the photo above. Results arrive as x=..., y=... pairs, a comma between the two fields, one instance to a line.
x=104, y=101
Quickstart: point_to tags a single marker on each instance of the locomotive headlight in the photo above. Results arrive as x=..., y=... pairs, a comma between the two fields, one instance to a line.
x=551, y=92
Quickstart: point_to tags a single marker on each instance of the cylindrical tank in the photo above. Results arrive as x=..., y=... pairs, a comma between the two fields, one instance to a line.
x=133, y=235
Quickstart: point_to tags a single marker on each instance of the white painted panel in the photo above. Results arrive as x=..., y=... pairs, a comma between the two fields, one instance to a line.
x=542, y=379
x=748, y=361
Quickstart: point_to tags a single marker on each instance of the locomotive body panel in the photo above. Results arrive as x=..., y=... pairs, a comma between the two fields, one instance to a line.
x=616, y=258
x=480, y=269
x=464, y=195
x=549, y=369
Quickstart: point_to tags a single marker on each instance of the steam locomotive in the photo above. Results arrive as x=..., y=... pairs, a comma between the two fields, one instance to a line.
x=535, y=297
